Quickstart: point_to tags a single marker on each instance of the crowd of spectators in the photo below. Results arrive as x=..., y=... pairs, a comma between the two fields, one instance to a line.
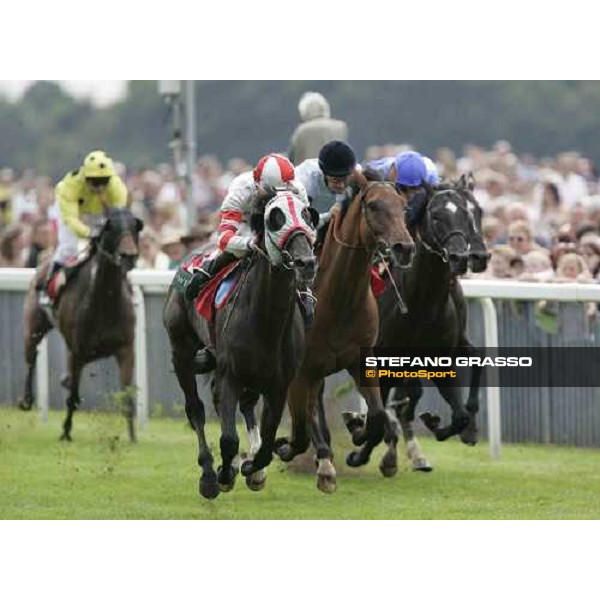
x=541, y=215
x=541, y=223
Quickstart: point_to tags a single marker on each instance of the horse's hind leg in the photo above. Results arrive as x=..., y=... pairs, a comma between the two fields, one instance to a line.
x=229, y=393
x=36, y=327
x=73, y=400
x=125, y=359
x=194, y=409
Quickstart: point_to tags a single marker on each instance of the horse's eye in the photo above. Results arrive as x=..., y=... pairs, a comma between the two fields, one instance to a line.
x=275, y=220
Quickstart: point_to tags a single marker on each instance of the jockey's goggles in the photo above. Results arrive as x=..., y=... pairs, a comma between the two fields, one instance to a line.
x=97, y=182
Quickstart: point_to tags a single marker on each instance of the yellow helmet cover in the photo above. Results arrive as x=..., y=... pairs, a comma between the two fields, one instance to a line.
x=98, y=164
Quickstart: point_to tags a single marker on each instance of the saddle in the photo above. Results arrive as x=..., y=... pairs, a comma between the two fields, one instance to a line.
x=65, y=273
x=214, y=295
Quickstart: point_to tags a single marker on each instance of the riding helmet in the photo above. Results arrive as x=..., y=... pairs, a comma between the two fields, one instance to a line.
x=411, y=170
x=337, y=159
x=273, y=170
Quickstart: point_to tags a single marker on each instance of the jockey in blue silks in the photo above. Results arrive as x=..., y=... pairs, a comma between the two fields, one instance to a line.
x=408, y=171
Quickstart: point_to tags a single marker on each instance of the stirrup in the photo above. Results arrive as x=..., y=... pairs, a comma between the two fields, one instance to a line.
x=43, y=299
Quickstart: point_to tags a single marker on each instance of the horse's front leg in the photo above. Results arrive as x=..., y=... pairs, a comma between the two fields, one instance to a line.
x=254, y=469
x=404, y=403
x=248, y=402
x=452, y=394
x=73, y=400
x=229, y=393
x=469, y=434
x=301, y=400
x=321, y=439
x=377, y=423
x=36, y=327
x=125, y=359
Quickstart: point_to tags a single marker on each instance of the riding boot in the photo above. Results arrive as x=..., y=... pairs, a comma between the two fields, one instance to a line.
x=206, y=272
x=307, y=301
x=205, y=361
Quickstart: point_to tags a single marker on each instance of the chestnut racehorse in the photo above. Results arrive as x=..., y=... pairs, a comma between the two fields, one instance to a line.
x=346, y=319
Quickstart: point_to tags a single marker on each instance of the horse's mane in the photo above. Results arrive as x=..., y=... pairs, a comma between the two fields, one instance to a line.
x=257, y=211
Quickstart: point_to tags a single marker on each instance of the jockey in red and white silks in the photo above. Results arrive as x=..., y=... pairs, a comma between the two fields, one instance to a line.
x=234, y=237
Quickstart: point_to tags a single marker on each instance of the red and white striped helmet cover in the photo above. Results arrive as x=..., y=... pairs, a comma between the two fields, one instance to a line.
x=273, y=170
x=291, y=206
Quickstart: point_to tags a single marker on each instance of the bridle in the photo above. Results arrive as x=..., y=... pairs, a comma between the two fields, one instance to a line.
x=116, y=258
x=363, y=207
x=436, y=246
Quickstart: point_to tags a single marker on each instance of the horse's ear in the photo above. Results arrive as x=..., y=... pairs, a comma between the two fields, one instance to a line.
x=461, y=184
x=470, y=181
x=139, y=224
x=129, y=200
x=314, y=216
x=427, y=187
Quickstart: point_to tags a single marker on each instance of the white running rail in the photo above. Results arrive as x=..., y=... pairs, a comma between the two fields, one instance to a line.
x=157, y=282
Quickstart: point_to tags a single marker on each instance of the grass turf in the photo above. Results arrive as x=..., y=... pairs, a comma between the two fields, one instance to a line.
x=101, y=476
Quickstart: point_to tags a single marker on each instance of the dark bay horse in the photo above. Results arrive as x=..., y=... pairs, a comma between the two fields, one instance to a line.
x=94, y=314
x=346, y=319
x=447, y=240
x=259, y=342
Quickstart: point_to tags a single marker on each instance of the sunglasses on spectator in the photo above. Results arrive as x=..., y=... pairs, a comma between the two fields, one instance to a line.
x=516, y=238
x=97, y=182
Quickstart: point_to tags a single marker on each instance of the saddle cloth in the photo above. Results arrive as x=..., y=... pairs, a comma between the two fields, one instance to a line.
x=66, y=272
x=216, y=292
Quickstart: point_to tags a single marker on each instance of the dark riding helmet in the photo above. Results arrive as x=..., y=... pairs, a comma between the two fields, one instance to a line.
x=337, y=159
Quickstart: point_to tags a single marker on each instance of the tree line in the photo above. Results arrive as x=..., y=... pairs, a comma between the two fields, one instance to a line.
x=51, y=131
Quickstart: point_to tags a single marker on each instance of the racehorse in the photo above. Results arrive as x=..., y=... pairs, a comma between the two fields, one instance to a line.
x=346, y=319
x=259, y=338
x=448, y=239
x=94, y=313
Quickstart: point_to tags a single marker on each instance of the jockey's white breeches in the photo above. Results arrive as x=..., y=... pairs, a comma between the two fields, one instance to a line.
x=68, y=242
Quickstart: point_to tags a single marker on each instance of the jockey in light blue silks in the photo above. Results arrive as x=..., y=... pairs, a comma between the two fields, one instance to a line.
x=328, y=181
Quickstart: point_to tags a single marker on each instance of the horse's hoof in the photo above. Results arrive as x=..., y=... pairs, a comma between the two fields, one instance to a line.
x=25, y=405
x=247, y=468
x=326, y=483
x=284, y=450
x=469, y=436
x=209, y=488
x=356, y=459
x=359, y=436
x=257, y=481
x=430, y=420
x=66, y=437
x=388, y=466
x=226, y=479
x=422, y=465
